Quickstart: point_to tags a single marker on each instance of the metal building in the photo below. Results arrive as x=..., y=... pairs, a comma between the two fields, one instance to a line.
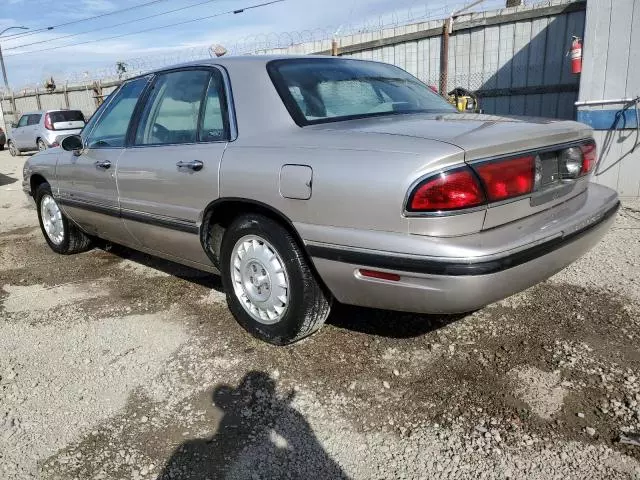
x=609, y=98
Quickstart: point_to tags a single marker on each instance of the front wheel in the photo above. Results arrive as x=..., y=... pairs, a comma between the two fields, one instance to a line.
x=271, y=290
x=62, y=235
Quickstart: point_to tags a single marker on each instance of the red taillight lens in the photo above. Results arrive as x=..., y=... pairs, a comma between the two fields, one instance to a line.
x=451, y=190
x=589, y=157
x=392, y=277
x=47, y=122
x=508, y=178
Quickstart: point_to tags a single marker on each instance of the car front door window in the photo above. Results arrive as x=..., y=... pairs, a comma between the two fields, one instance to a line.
x=173, y=109
x=23, y=121
x=110, y=129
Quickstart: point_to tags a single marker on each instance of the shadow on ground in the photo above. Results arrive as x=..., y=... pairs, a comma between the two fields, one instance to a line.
x=386, y=323
x=6, y=180
x=260, y=436
x=363, y=320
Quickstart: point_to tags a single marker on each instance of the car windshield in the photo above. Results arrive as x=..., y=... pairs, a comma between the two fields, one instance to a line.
x=66, y=116
x=327, y=90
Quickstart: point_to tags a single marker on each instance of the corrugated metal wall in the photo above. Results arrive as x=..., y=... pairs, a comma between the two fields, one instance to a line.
x=611, y=70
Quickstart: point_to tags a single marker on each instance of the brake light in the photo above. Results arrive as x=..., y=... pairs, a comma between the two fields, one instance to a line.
x=452, y=190
x=589, y=157
x=508, y=178
x=47, y=122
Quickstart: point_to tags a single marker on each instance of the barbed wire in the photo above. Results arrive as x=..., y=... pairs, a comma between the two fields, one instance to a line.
x=299, y=41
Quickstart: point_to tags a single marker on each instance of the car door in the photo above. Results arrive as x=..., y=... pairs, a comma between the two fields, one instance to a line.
x=170, y=173
x=31, y=131
x=86, y=179
x=17, y=133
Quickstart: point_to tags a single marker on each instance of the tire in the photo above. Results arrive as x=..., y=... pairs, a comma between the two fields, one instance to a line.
x=2, y=147
x=66, y=240
x=13, y=150
x=307, y=304
x=41, y=145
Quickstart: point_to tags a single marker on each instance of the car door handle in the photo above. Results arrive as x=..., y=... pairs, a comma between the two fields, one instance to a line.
x=105, y=164
x=195, y=165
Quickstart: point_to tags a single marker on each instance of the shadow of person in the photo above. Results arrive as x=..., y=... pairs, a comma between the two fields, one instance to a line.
x=260, y=436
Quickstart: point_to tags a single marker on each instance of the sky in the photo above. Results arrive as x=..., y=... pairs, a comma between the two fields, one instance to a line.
x=26, y=67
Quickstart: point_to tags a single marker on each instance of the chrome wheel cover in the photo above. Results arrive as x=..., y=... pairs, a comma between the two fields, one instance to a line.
x=52, y=219
x=13, y=150
x=41, y=145
x=260, y=279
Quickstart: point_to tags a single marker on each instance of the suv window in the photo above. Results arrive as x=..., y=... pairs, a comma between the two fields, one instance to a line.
x=23, y=121
x=173, y=109
x=111, y=127
x=66, y=116
x=34, y=119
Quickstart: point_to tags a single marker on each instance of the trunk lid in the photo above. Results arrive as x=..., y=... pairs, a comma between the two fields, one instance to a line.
x=487, y=137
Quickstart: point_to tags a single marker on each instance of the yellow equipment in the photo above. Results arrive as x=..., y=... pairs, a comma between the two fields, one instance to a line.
x=464, y=100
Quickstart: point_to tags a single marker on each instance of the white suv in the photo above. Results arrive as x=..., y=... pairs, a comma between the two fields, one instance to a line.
x=44, y=129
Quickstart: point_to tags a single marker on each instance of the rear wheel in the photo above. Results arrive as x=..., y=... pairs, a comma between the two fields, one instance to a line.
x=13, y=150
x=62, y=235
x=41, y=145
x=2, y=147
x=270, y=288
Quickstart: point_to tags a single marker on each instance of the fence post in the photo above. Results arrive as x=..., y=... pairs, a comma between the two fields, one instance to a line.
x=334, y=48
x=13, y=107
x=444, y=57
x=97, y=90
x=66, y=95
x=38, y=103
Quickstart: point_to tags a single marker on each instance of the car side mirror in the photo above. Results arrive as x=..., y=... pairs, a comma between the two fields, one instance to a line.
x=13, y=124
x=72, y=143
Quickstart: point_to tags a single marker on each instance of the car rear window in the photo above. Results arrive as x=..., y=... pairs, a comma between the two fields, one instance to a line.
x=319, y=90
x=66, y=116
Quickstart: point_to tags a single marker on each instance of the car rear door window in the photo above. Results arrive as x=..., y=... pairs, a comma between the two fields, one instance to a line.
x=111, y=127
x=215, y=124
x=172, y=111
x=34, y=119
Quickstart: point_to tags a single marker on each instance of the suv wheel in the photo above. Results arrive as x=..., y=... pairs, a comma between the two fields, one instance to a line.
x=13, y=150
x=271, y=291
x=62, y=235
x=42, y=145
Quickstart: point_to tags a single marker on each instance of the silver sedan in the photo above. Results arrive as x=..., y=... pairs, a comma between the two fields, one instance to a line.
x=304, y=180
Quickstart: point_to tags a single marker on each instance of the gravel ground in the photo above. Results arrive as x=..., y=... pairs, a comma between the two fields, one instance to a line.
x=115, y=365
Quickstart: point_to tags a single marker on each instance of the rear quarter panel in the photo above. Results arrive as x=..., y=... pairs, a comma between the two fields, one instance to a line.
x=361, y=188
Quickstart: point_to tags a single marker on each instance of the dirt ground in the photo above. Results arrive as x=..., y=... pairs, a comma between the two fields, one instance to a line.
x=115, y=365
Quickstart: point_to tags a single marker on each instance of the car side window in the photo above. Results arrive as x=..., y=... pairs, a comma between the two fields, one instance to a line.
x=215, y=125
x=23, y=121
x=173, y=109
x=34, y=119
x=111, y=127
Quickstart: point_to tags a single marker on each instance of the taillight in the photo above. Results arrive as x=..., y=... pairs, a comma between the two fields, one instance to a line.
x=452, y=190
x=589, y=157
x=507, y=178
x=47, y=122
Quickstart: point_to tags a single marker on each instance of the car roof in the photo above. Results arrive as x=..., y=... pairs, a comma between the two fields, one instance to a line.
x=259, y=61
x=41, y=112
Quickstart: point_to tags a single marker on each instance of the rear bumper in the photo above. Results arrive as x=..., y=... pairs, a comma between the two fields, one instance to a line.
x=460, y=284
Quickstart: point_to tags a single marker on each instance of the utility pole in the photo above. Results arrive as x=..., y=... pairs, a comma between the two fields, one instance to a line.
x=4, y=70
x=447, y=30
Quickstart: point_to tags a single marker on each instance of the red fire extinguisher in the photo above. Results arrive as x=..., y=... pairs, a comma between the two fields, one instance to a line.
x=576, y=55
